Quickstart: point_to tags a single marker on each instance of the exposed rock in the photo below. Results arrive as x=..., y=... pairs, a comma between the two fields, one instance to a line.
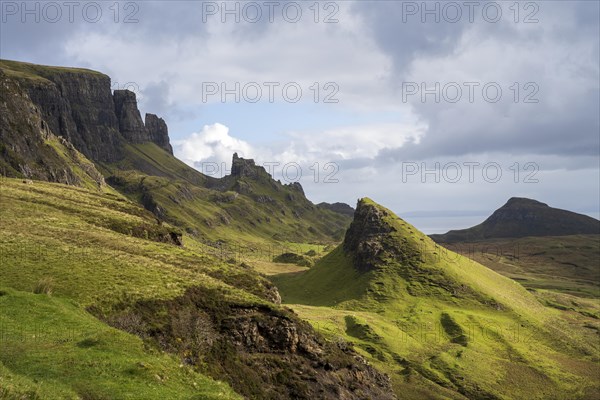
x=264, y=199
x=241, y=167
x=368, y=238
x=158, y=132
x=28, y=146
x=263, y=352
x=79, y=106
x=131, y=125
x=297, y=187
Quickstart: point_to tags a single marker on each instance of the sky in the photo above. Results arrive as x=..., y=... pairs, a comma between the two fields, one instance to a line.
x=440, y=111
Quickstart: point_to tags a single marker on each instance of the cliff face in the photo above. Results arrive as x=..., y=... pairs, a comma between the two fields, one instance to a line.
x=79, y=106
x=131, y=125
x=29, y=149
x=376, y=236
x=263, y=352
x=158, y=132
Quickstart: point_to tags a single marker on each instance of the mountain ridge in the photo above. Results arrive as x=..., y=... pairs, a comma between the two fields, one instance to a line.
x=135, y=157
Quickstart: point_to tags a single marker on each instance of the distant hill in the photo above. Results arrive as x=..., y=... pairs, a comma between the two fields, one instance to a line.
x=521, y=217
x=340, y=208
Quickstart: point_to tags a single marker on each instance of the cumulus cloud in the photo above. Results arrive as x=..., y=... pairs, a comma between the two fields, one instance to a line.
x=212, y=144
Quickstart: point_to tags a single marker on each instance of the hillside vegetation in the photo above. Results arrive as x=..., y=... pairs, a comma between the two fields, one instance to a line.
x=441, y=325
x=78, y=263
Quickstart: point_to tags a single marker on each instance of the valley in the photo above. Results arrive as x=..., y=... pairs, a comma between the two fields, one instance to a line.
x=128, y=274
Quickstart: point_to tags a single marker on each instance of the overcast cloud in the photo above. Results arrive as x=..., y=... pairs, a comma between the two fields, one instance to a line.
x=373, y=64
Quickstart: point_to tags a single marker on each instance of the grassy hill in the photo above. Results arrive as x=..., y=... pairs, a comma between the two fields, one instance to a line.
x=247, y=208
x=61, y=125
x=99, y=299
x=442, y=325
x=149, y=285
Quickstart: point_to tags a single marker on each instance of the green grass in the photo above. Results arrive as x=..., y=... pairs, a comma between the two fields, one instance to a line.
x=25, y=70
x=81, y=247
x=208, y=209
x=51, y=348
x=567, y=264
x=441, y=325
x=444, y=326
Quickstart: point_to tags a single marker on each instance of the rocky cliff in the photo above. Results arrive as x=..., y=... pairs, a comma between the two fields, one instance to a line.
x=158, y=132
x=78, y=105
x=29, y=149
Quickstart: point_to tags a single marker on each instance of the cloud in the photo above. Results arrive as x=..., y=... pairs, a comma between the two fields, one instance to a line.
x=369, y=53
x=212, y=144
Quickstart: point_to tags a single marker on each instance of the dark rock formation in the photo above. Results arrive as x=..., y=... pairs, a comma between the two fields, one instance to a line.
x=263, y=352
x=370, y=242
x=158, y=132
x=79, y=106
x=131, y=125
x=521, y=217
x=363, y=238
x=297, y=187
x=28, y=146
x=247, y=168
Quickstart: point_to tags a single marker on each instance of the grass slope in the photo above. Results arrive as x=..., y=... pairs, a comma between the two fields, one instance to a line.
x=52, y=349
x=94, y=250
x=441, y=325
x=267, y=213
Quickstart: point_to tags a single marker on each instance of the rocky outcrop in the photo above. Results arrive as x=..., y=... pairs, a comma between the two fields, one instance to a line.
x=371, y=239
x=363, y=238
x=297, y=187
x=158, y=132
x=79, y=107
x=130, y=121
x=263, y=352
x=247, y=168
x=521, y=217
